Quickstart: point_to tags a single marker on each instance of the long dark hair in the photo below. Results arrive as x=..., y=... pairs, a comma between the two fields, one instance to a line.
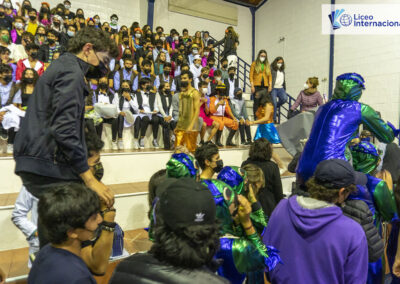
x=35, y=78
x=275, y=62
x=264, y=97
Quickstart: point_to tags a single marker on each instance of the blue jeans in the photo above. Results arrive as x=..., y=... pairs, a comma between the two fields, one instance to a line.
x=278, y=94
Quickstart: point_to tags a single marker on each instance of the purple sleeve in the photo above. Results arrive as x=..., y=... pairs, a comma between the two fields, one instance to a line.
x=320, y=101
x=297, y=103
x=356, y=265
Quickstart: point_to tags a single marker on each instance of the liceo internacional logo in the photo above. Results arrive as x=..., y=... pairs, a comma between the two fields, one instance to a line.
x=361, y=19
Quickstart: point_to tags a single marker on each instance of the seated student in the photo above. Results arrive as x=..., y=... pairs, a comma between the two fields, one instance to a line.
x=16, y=33
x=205, y=113
x=224, y=69
x=221, y=112
x=203, y=78
x=238, y=107
x=176, y=65
x=186, y=237
x=148, y=109
x=8, y=92
x=303, y=227
x=30, y=62
x=159, y=63
x=145, y=73
x=26, y=87
x=70, y=215
x=196, y=67
x=104, y=95
x=5, y=59
x=125, y=73
x=204, y=58
x=46, y=51
x=232, y=83
x=177, y=79
x=211, y=65
x=166, y=78
x=164, y=101
x=159, y=48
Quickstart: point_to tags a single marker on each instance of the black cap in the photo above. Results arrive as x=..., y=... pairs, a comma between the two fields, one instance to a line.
x=336, y=173
x=185, y=202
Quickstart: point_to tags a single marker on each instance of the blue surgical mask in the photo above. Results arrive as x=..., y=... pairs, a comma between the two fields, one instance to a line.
x=70, y=33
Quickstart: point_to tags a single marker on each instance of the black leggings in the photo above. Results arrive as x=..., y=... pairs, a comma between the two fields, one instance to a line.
x=167, y=127
x=10, y=133
x=242, y=129
x=141, y=125
x=114, y=125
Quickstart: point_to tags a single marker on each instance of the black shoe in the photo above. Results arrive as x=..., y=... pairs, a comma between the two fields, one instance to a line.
x=202, y=142
x=230, y=144
x=230, y=137
x=218, y=138
x=247, y=143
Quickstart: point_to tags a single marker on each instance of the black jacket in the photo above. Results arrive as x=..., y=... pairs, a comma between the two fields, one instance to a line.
x=44, y=52
x=146, y=269
x=51, y=140
x=358, y=211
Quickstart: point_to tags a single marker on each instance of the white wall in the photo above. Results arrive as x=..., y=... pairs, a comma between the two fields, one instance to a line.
x=306, y=51
x=169, y=20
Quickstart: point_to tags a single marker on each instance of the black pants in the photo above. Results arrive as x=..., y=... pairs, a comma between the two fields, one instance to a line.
x=114, y=127
x=242, y=129
x=141, y=125
x=167, y=128
x=256, y=102
x=10, y=133
x=38, y=186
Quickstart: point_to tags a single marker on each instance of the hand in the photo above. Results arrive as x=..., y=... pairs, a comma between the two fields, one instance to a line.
x=2, y=115
x=244, y=210
x=242, y=121
x=207, y=80
x=248, y=123
x=104, y=192
x=250, y=195
x=155, y=112
x=127, y=96
x=396, y=267
x=221, y=103
x=18, y=4
x=141, y=111
x=122, y=113
x=269, y=89
x=168, y=118
x=253, y=90
x=203, y=100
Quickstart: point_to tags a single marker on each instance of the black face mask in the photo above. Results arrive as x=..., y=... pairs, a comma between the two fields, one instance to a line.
x=96, y=72
x=98, y=171
x=179, y=62
x=205, y=76
x=219, y=167
x=147, y=71
x=56, y=24
x=51, y=41
x=2, y=14
x=103, y=86
x=32, y=18
x=231, y=76
x=210, y=65
x=34, y=54
x=159, y=33
x=167, y=91
x=166, y=73
x=126, y=42
x=239, y=96
x=27, y=80
x=61, y=14
x=159, y=47
x=148, y=88
x=7, y=78
x=82, y=25
x=124, y=33
x=26, y=7
x=128, y=69
x=106, y=29
x=126, y=90
x=185, y=84
x=225, y=66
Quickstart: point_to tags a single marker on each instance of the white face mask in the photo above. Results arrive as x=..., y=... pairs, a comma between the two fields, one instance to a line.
x=197, y=65
x=138, y=35
x=206, y=53
x=176, y=38
x=162, y=38
x=97, y=21
x=279, y=65
x=218, y=78
x=306, y=86
x=67, y=7
x=7, y=5
x=19, y=26
x=262, y=59
x=114, y=22
x=205, y=90
x=195, y=51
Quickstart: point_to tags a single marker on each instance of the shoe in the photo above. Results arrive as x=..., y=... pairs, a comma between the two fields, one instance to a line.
x=10, y=148
x=3, y=135
x=242, y=142
x=218, y=138
x=121, y=145
x=282, y=171
x=155, y=144
x=230, y=137
x=247, y=143
x=141, y=143
x=114, y=145
x=136, y=144
x=173, y=138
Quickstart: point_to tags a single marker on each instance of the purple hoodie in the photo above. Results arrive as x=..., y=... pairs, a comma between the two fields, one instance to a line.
x=316, y=245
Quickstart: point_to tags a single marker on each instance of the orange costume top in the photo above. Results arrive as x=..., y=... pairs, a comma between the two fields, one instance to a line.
x=261, y=114
x=214, y=109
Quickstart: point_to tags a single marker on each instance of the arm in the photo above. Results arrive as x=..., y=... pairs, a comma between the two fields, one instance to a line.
x=384, y=200
x=320, y=101
x=376, y=125
x=19, y=216
x=196, y=110
x=157, y=81
x=134, y=105
x=135, y=84
x=356, y=266
x=116, y=81
x=167, y=57
x=213, y=105
x=234, y=111
x=219, y=42
x=277, y=185
x=252, y=74
x=173, y=87
x=297, y=102
x=158, y=100
x=20, y=69
x=229, y=111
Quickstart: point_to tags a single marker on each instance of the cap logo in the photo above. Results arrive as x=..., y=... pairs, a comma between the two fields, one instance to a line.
x=199, y=217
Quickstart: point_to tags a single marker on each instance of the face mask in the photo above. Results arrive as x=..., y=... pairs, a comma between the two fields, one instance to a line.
x=128, y=68
x=205, y=76
x=67, y=7
x=27, y=80
x=98, y=171
x=225, y=66
x=60, y=13
x=83, y=25
x=176, y=38
x=305, y=86
x=166, y=73
x=70, y=33
x=5, y=38
x=126, y=42
x=97, y=21
x=231, y=76
x=205, y=90
x=195, y=51
x=114, y=22
x=219, y=167
x=138, y=35
x=34, y=54
x=147, y=71
x=2, y=14
x=179, y=61
x=51, y=41
x=184, y=84
x=96, y=72
x=7, y=5
x=32, y=18
x=162, y=38
x=159, y=47
x=197, y=65
x=7, y=78
x=239, y=96
x=210, y=65
x=148, y=88
x=217, y=78
x=206, y=53
x=19, y=26
x=262, y=59
x=106, y=29
x=26, y=6
x=56, y=24
x=279, y=65
x=103, y=86
x=124, y=90
x=167, y=91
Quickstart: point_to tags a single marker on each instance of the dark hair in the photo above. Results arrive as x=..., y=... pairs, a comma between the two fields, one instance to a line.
x=146, y=62
x=5, y=68
x=93, y=142
x=190, y=74
x=260, y=150
x=203, y=83
x=66, y=207
x=32, y=10
x=167, y=64
x=35, y=78
x=185, y=30
x=127, y=57
x=158, y=41
x=28, y=35
x=217, y=73
x=4, y=49
x=101, y=41
x=396, y=193
x=185, y=65
x=156, y=179
x=159, y=27
x=224, y=59
x=190, y=247
x=125, y=81
x=53, y=32
x=114, y=16
x=31, y=46
x=143, y=81
x=264, y=97
x=319, y=192
x=232, y=68
x=275, y=67
x=205, y=152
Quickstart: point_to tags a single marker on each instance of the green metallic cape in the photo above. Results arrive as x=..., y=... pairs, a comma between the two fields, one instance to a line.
x=385, y=203
x=376, y=125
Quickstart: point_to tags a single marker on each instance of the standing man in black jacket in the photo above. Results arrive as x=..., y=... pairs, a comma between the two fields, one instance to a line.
x=50, y=147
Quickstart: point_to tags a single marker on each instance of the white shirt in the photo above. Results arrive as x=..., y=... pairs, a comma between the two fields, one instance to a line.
x=220, y=110
x=196, y=86
x=102, y=98
x=5, y=94
x=232, y=87
x=126, y=105
x=280, y=78
x=159, y=103
x=146, y=103
x=196, y=71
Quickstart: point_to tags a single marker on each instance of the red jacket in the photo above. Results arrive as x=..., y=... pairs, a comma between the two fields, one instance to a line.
x=22, y=64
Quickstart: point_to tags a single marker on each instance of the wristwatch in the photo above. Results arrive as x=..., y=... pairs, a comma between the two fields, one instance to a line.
x=108, y=226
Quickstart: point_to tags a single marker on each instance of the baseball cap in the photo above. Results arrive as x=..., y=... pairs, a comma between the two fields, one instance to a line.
x=185, y=202
x=336, y=173
x=196, y=57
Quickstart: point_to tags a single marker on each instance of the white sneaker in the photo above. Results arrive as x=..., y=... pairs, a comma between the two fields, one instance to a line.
x=282, y=171
x=10, y=148
x=141, y=143
x=155, y=144
x=121, y=145
x=114, y=145
x=136, y=144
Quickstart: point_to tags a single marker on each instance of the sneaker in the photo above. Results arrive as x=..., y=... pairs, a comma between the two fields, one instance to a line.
x=121, y=145
x=155, y=144
x=114, y=145
x=10, y=148
x=247, y=143
x=282, y=171
x=173, y=138
x=136, y=144
x=3, y=135
x=141, y=143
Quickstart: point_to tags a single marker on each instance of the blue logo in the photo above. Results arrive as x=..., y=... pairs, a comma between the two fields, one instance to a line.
x=334, y=17
x=346, y=20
